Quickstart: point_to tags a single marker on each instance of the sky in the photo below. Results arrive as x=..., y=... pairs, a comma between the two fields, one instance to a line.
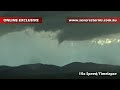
x=57, y=42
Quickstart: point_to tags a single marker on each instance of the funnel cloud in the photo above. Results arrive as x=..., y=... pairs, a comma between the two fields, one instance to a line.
x=54, y=20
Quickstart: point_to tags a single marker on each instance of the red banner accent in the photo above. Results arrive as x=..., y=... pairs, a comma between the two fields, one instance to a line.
x=20, y=20
x=106, y=20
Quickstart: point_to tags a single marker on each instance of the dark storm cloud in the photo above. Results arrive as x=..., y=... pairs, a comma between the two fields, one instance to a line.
x=54, y=20
x=87, y=32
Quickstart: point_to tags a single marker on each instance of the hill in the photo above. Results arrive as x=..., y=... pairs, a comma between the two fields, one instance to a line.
x=69, y=71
